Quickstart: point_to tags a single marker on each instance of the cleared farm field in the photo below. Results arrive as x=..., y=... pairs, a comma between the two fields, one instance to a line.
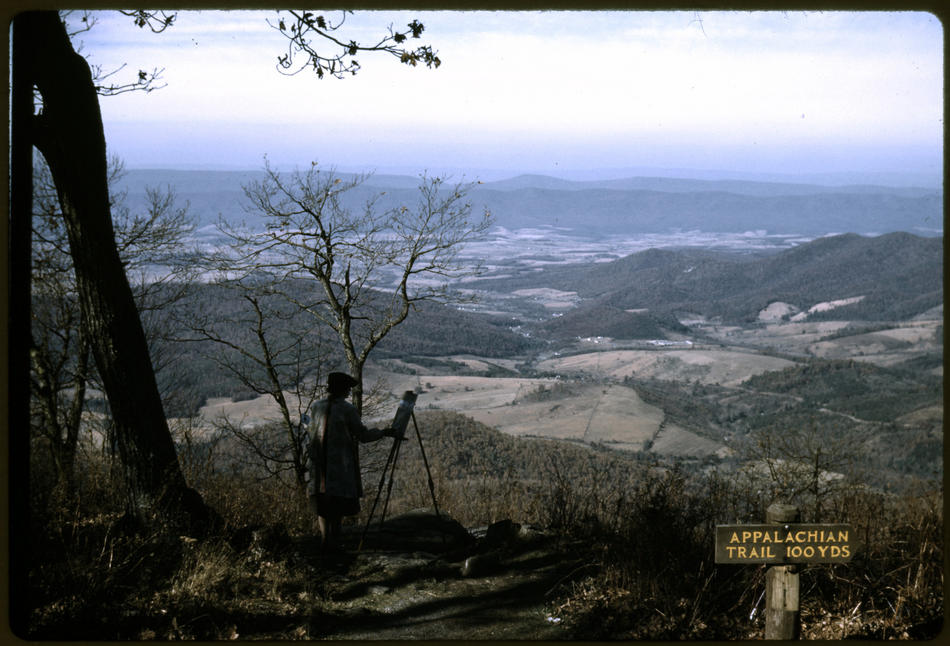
x=794, y=337
x=464, y=394
x=829, y=339
x=708, y=366
x=245, y=413
x=882, y=347
x=619, y=415
x=594, y=414
x=613, y=415
x=930, y=416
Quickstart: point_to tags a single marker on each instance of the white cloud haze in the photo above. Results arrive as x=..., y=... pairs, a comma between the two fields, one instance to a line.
x=769, y=91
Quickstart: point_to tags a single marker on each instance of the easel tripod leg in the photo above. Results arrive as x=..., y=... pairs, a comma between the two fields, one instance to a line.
x=390, y=460
x=425, y=461
x=389, y=488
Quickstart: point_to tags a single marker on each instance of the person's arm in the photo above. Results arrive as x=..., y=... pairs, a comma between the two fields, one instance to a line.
x=360, y=430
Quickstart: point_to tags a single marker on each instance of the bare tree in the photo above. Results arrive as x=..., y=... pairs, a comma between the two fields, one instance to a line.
x=269, y=347
x=363, y=269
x=150, y=244
x=806, y=467
x=59, y=350
x=162, y=266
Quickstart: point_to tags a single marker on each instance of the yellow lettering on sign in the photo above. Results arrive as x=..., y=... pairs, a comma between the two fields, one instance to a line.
x=761, y=552
x=757, y=543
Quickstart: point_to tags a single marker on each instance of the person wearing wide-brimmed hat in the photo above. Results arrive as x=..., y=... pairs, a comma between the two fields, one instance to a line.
x=335, y=484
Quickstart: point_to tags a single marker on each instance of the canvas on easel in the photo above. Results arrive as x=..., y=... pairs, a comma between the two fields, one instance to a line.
x=404, y=413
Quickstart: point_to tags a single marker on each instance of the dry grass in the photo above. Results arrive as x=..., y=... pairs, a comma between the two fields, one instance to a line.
x=657, y=579
x=649, y=572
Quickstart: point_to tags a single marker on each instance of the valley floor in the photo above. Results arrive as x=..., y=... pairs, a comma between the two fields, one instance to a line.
x=582, y=392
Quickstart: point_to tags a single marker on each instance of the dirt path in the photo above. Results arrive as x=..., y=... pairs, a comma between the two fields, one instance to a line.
x=506, y=592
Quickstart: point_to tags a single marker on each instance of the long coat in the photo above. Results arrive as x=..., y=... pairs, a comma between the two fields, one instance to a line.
x=334, y=450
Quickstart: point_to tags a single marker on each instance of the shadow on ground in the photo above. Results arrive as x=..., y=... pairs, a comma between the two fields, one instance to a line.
x=419, y=576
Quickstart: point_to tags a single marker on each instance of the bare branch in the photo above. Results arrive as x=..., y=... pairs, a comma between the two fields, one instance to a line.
x=145, y=82
x=366, y=264
x=156, y=21
x=86, y=22
x=306, y=31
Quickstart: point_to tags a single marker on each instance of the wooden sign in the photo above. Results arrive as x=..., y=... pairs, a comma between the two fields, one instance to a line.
x=786, y=543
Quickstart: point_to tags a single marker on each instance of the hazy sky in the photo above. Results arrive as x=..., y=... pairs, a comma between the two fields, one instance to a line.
x=782, y=92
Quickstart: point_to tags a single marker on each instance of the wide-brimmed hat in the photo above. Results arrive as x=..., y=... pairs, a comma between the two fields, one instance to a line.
x=340, y=380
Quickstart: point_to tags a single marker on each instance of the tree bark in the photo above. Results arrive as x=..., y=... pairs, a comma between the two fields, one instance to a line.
x=69, y=134
x=16, y=309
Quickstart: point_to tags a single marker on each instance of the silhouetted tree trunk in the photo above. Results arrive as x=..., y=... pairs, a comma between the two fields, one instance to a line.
x=69, y=133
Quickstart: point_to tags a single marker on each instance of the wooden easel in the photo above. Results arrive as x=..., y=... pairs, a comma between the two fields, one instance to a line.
x=389, y=471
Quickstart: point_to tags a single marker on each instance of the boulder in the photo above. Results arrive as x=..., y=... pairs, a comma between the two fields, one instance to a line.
x=501, y=534
x=420, y=530
x=509, y=535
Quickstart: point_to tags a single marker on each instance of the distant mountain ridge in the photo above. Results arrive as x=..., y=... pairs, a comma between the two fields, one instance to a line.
x=626, y=212
x=691, y=185
x=629, y=206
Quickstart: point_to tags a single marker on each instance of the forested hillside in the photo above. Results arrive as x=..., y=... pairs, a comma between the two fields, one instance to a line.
x=464, y=449
x=196, y=373
x=604, y=319
x=899, y=275
x=882, y=423
x=860, y=389
x=434, y=329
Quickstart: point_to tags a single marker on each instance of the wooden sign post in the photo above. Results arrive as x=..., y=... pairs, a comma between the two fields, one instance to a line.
x=782, y=612
x=783, y=543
